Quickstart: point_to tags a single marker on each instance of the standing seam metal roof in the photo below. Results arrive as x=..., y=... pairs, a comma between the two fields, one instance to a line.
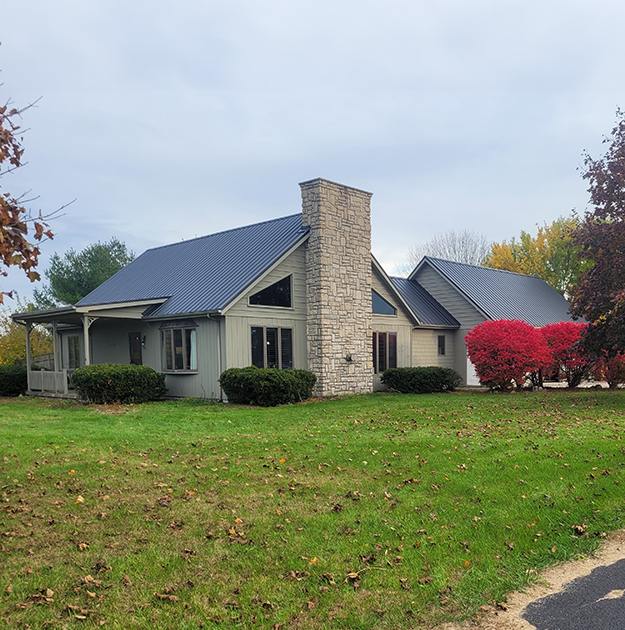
x=428, y=311
x=204, y=274
x=505, y=294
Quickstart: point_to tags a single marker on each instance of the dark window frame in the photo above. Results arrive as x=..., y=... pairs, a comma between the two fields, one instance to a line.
x=280, y=331
x=168, y=363
x=384, y=345
x=279, y=306
x=442, y=345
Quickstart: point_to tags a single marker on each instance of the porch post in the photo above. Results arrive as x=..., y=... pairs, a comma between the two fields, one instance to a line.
x=55, y=346
x=85, y=331
x=28, y=354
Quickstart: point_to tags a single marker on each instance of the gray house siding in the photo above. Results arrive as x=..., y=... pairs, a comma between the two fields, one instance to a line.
x=467, y=315
x=110, y=344
x=425, y=348
x=401, y=323
x=241, y=316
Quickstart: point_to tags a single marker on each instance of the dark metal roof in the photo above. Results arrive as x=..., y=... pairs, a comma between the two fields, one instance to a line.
x=504, y=294
x=427, y=310
x=204, y=274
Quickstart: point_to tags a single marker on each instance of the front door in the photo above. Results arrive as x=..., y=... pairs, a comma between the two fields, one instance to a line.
x=136, y=344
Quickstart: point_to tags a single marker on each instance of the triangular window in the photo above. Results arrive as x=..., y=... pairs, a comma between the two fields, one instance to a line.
x=276, y=294
x=380, y=305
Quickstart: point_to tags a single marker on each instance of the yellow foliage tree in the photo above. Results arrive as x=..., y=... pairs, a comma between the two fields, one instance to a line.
x=13, y=341
x=550, y=254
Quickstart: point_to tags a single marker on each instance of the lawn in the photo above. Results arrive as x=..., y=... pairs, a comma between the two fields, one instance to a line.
x=383, y=511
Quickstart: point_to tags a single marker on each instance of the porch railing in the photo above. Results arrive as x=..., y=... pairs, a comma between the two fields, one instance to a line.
x=48, y=382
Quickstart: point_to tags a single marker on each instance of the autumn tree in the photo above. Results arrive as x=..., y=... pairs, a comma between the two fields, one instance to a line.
x=76, y=273
x=464, y=247
x=13, y=341
x=21, y=231
x=506, y=352
x=568, y=355
x=551, y=254
x=600, y=295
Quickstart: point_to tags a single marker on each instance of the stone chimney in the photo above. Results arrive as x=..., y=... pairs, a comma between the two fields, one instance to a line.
x=338, y=286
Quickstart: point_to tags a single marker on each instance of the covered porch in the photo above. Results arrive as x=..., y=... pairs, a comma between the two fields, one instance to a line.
x=73, y=347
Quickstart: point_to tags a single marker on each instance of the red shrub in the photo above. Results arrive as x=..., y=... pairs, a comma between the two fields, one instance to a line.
x=611, y=370
x=504, y=351
x=569, y=358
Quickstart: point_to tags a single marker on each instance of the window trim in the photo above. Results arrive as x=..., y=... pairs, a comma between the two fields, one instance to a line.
x=270, y=306
x=278, y=344
x=169, y=329
x=376, y=350
x=384, y=300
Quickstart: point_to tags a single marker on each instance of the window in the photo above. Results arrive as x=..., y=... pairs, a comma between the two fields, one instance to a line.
x=179, y=347
x=384, y=351
x=135, y=342
x=272, y=347
x=441, y=345
x=277, y=294
x=381, y=306
x=73, y=352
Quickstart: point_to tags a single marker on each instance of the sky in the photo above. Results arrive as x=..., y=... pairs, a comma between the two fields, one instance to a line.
x=167, y=121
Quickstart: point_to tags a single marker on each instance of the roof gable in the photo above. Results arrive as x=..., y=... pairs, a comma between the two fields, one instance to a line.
x=503, y=294
x=204, y=274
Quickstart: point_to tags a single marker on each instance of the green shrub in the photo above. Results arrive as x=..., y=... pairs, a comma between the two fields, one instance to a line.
x=118, y=383
x=421, y=380
x=267, y=387
x=13, y=381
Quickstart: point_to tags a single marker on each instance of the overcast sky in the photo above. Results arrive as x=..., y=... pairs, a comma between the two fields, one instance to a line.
x=169, y=120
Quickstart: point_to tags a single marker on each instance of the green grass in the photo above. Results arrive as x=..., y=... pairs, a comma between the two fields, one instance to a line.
x=382, y=511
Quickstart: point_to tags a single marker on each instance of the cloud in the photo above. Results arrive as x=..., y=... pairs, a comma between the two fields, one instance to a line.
x=167, y=121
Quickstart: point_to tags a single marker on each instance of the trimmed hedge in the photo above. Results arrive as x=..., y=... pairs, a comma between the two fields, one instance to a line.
x=13, y=380
x=267, y=387
x=107, y=383
x=421, y=380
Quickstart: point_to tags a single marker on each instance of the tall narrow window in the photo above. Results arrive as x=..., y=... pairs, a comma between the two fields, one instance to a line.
x=286, y=348
x=381, y=352
x=384, y=351
x=272, y=347
x=258, y=346
x=73, y=352
x=392, y=350
x=277, y=294
x=441, y=345
x=271, y=341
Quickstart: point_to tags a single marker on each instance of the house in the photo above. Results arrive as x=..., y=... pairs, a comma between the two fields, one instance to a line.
x=301, y=291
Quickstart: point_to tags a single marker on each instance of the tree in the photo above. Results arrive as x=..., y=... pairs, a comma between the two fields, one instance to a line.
x=600, y=295
x=610, y=369
x=568, y=355
x=551, y=254
x=505, y=351
x=13, y=341
x=21, y=231
x=75, y=274
x=465, y=247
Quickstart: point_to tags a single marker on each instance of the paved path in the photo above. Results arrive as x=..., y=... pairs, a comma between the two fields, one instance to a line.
x=592, y=602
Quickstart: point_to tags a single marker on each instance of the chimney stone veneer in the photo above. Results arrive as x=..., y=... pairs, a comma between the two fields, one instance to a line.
x=338, y=286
